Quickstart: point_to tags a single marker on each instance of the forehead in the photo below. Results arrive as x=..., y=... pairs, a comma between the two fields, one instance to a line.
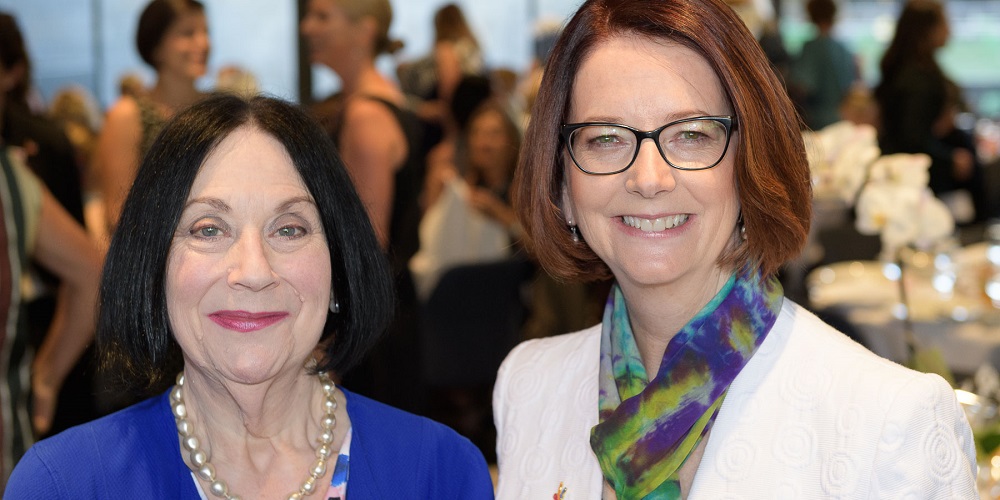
x=633, y=76
x=248, y=160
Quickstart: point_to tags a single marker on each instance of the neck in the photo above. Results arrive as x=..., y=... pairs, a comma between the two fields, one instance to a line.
x=174, y=92
x=656, y=313
x=231, y=412
x=368, y=81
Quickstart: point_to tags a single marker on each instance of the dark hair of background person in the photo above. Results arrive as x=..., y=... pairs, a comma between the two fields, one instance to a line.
x=450, y=25
x=13, y=52
x=510, y=129
x=471, y=91
x=821, y=11
x=133, y=326
x=911, y=42
x=154, y=22
x=771, y=169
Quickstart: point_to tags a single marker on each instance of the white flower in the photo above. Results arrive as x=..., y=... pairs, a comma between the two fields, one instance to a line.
x=891, y=194
x=839, y=155
x=896, y=204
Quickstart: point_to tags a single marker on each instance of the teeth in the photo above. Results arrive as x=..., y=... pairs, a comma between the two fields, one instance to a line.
x=655, y=225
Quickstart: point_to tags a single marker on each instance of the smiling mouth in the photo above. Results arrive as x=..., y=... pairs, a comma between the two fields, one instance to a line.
x=654, y=225
x=243, y=321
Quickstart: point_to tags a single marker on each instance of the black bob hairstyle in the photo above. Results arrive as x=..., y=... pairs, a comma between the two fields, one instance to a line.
x=133, y=331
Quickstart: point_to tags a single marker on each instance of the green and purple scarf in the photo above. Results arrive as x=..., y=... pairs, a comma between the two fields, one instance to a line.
x=648, y=428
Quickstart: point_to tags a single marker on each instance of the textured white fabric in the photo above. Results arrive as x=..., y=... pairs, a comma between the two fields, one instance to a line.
x=812, y=415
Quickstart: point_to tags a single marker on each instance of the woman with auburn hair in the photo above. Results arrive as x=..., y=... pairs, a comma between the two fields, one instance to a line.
x=702, y=380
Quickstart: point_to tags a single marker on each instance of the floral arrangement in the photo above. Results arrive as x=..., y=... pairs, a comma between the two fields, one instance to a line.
x=888, y=192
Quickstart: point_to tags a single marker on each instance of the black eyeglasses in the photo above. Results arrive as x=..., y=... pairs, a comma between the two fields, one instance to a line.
x=696, y=143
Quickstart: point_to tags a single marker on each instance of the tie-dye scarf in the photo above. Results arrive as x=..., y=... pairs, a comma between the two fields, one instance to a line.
x=648, y=429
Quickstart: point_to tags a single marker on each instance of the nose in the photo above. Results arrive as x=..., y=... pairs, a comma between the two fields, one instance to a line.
x=250, y=266
x=650, y=174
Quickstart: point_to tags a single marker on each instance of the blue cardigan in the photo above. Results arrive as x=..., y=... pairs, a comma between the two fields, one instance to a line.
x=135, y=452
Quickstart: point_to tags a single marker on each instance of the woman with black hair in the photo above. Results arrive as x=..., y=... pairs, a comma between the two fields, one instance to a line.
x=244, y=247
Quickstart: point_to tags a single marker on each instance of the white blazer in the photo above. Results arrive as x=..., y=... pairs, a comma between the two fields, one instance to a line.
x=812, y=415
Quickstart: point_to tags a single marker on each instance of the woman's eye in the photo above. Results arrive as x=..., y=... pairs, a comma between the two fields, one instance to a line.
x=290, y=231
x=207, y=231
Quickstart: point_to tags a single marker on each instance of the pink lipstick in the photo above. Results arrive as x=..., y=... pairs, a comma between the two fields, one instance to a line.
x=244, y=321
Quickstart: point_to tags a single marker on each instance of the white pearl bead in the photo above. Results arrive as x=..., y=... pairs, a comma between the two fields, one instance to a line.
x=319, y=469
x=206, y=472
x=219, y=488
x=323, y=452
x=191, y=443
x=328, y=422
x=180, y=411
x=199, y=458
x=184, y=427
x=175, y=394
x=326, y=437
x=308, y=486
x=180, y=378
x=295, y=496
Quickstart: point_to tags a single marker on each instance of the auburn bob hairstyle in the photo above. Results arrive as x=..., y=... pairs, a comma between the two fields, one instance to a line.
x=772, y=173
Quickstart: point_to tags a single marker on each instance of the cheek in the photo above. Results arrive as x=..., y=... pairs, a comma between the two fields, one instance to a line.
x=310, y=276
x=188, y=278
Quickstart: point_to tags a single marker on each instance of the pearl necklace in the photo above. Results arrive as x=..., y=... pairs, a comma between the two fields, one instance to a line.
x=200, y=465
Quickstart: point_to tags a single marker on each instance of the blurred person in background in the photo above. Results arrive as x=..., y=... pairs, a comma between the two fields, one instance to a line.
x=76, y=110
x=172, y=38
x=35, y=228
x=380, y=141
x=918, y=101
x=824, y=72
x=52, y=157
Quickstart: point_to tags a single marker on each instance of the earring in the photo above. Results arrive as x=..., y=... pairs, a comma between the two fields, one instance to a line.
x=575, y=234
x=743, y=230
x=334, y=303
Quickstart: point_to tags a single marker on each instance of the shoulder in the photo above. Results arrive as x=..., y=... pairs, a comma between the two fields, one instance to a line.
x=813, y=346
x=418, y=454
x=555, y=347
x=812, y=403
x=373, y=114
x=129, y=450
x=536, y=368
x=124, y=109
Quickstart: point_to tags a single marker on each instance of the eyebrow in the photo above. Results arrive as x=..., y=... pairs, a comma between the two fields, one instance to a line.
x=222, y=206
x=679, y=115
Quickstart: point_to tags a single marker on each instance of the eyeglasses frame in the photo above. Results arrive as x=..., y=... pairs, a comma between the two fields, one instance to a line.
x=728, y=121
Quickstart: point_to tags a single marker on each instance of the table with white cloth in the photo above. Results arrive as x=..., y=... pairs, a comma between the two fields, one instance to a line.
x=946, y=303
